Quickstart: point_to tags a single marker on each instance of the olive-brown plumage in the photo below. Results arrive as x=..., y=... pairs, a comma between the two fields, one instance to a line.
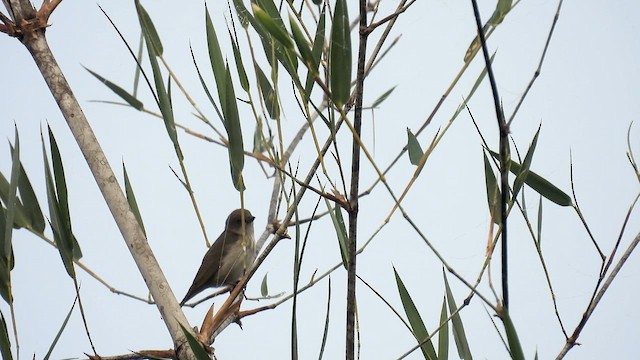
x=230, y=256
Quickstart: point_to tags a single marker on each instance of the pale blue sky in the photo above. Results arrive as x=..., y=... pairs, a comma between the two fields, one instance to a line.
x=586, y=97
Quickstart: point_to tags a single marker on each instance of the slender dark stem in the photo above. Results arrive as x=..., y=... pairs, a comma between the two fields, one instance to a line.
x=355, y=179
x=504, y=156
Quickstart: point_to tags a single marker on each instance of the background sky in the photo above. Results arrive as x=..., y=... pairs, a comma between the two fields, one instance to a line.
x=585, y=98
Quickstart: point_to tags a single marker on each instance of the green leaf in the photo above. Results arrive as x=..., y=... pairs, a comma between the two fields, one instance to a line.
x=5, y=344
x=58, y=214
x=341, y=231
x=215, y=57
x=30, y=206
x=151, y=34
x=325, y=333
x=340, y=55
x=443, y=334
x=382, y=98
x=415, y=150
x=62, y=327
x=7, y=260
x=512, y=337
x=526, y=164
x=493, y=192
x=264, y=288
x=128, y=98
x=242, y=74
x=456, y=321
x=234, y=133
x=278, y=33
x=131, y=199
x=539, y=227
x=540, y=184
x=269, y=96
x=415, y=320
x=164, y=102
x=316, y=53
x=303, y=46
x=195, y=345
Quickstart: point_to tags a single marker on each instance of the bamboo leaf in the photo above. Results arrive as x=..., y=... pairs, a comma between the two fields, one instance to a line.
x=382, y=98
x=195, y=345
x=216, y=59
x=326, y=321
x=62, y=327
x=443, y=334
x=414, y=148
x=234, y=133
x=131, y=199
x=30, y=206
x=278, y=33
x=5, y=344
x=340, y=55
x=151, y=34
x=541, y=185
x=415, y=320
x=124, y=95
x=303, y=46
x=526, y=164
x=512, y=337
x=493, y=192
x=341, y=231
x=242, y=74
x=264, y=288
x=316, y=53
x=456, y=321
x=269, y=96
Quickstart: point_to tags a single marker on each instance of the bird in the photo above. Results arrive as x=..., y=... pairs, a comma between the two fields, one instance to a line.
x=230, y=256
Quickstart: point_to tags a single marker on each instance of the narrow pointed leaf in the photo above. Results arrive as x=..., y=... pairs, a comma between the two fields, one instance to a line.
x=242, y=12
x=269, y=96
x=301, y=43
x=341, y=231
x=151, y=34
x=415, y=320
x=493, y=192
x=443, y=334
x=382, y=98
x=526, y=164
x=541, y=185
x=316, y=53
x=234, y=133
x=456, y=321
x=124, y=95
x=325, y=333
x=264, y=288
x=195, y=345
x=5, y=343
x=131, y=199
x=30, y=205
x=215, y=57
x=62, y=327
x=539, y=227
x=5, y=264
x=512, y=337
x=278, y=33
x=414, y=148
x=58, y=226
x=340, y=55
x=242, y=74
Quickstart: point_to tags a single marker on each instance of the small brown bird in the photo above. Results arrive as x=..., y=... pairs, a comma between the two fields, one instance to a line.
x=230, y=256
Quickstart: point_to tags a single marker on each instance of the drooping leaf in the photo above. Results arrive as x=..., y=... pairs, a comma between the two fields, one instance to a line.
x=493, y=192
x=526, y=164
x=269, y=96
x=301, y=43
x=264, y=288
x=541, y=185
x=124, y=95
x=341, y=231
x=59, y=217
x=279, y=33
x=316, y=53
x=415, y=320
x=414, y=148
x=340, y=55
x=242, y=74
x=234, y=133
